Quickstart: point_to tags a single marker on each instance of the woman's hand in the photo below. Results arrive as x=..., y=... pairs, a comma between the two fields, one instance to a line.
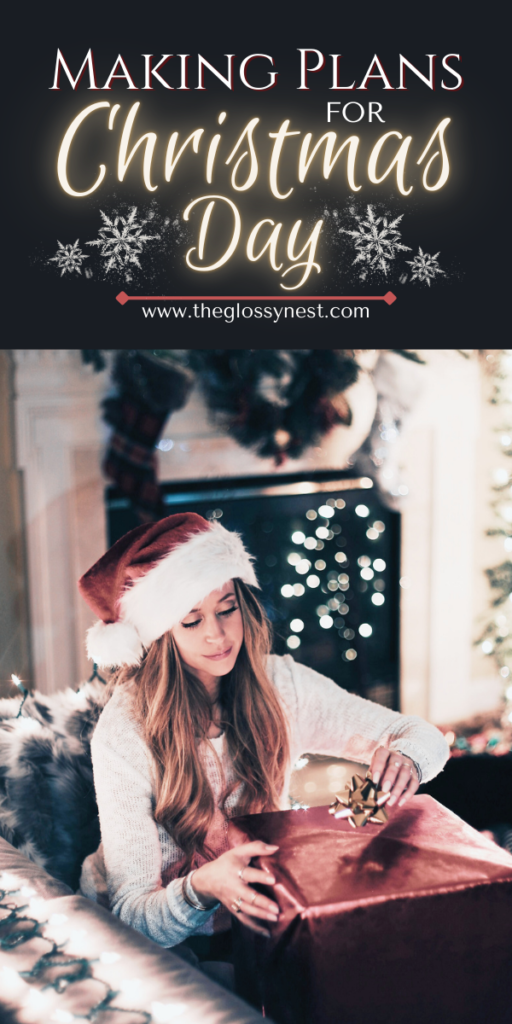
x=226, y=880
x=396, y=774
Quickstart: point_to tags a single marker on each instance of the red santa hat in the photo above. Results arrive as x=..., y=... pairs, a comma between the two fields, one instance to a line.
x=152, y=577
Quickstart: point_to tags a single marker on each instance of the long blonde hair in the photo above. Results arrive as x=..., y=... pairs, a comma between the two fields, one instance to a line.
x=173, y=708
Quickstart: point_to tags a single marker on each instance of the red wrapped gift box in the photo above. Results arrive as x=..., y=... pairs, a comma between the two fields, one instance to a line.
x=409, y=923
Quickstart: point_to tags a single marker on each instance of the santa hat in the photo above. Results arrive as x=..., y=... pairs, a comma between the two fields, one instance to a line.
x=152, y=577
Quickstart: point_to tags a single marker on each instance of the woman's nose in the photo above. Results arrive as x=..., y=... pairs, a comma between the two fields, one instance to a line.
x=214, y=629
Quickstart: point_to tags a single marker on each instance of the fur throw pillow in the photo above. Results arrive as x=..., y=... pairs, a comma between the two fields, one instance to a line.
x=47, y=801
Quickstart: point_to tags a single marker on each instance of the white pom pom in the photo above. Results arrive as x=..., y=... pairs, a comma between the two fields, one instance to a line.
x=110, y=644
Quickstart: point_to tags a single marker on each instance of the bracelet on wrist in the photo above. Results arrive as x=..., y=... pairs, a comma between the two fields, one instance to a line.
x=190, y=896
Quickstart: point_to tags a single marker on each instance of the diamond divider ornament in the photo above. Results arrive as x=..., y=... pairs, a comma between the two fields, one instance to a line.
x=363, y=802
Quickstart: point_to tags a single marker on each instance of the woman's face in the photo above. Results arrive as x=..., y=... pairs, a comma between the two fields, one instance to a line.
x=210, y=636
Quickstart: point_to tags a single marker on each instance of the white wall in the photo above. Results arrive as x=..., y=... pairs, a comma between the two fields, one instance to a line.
x=445, y=454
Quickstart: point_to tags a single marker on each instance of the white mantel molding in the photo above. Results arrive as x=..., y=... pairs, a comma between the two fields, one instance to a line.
x=59, y=442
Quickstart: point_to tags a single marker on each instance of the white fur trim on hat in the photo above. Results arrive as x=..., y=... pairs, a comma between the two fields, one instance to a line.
x=113, y=643
x=168, y=592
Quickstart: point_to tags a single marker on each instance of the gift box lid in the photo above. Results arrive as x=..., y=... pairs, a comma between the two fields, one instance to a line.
x=423, y=849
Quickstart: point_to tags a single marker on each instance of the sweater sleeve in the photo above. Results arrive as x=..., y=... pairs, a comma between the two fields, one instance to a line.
x=329, y=720
x=131, y=845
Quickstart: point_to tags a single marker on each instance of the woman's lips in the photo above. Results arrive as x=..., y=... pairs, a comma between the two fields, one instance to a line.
x=217, y=657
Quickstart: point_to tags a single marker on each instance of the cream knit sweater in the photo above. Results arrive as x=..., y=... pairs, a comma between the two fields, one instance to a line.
x=134, y=871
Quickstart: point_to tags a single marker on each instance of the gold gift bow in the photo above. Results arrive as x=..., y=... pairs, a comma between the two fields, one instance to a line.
x=364, y=802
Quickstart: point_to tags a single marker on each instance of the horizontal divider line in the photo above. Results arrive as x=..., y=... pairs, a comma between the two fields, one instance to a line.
x=122, y=298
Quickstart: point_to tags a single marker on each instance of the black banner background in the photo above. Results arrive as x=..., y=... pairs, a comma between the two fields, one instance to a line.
x=461, y=221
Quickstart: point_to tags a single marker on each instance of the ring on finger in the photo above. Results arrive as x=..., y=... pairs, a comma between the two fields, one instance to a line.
x=241, y=873
x=237, y=905
x=253, y=901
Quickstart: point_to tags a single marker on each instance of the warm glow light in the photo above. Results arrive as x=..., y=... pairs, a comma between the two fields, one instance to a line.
x=362, y=511
x=293, y=558
x=293, y=642
x=326, y=621
x=303, y=566
x=109, y=958
x=298, y=589
x=9, y=881
x=298, y=537
x=163, y=1013
x=379, y=565
x=326, y=511
x=501, y=476
x=365, y=629
x=130, y=986
x=37, y=905
x=287, y=590
x=297, y=625
x=10, y=981
x=450, y=737
x=378, y=599
x=310, y=543
x=367, y=574
x=313, y=581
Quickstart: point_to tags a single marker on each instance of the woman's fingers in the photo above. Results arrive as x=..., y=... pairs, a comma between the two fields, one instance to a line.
x=259, y=905
x=401, y=782
x=379, y=762
x=395, y=774
x=255, y=875
x=255, y=849
x=410, y=791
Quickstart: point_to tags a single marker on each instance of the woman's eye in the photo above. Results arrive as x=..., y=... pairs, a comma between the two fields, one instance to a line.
x=190, y=625
x=229, y=610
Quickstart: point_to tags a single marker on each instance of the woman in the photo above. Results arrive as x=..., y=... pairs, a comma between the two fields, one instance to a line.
x=203, y=724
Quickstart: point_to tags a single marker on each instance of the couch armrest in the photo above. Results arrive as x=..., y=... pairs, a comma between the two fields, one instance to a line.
x=89, y=930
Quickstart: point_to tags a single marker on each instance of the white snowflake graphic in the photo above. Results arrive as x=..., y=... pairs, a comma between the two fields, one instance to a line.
x=376, y=247
x=122, y=245
x=424, y=267
x=69, y=258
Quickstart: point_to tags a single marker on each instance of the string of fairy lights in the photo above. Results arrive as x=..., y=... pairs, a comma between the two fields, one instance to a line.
x=320, y=529
x=58, y=968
